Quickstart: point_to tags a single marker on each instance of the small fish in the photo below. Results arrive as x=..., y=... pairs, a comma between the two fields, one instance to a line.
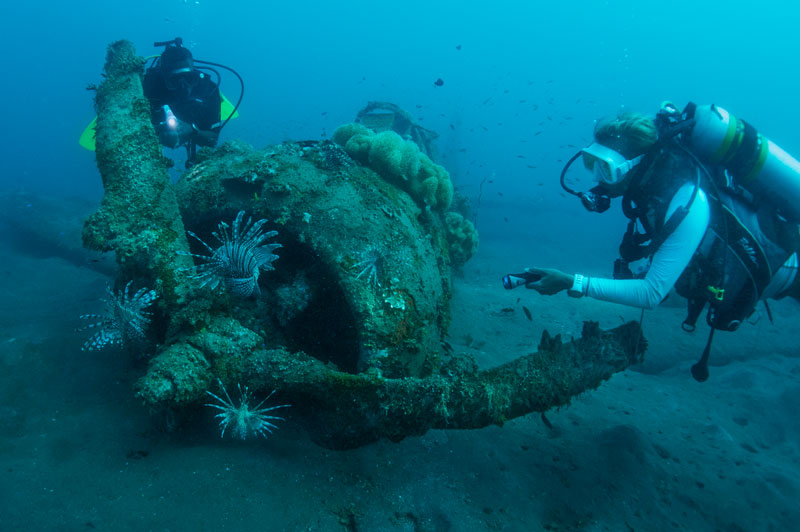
x=462, y=150
x=506, y=219
x=323, y=113
x=439, y=82
x=486, y=100
x=520, y=156
x=537, y=133
x=507, y=310
x=527, y=313
x=499, y=193
x=447, y=347
x=546, y=422
x=452, y=127
x=458, y=47
x=531, y=166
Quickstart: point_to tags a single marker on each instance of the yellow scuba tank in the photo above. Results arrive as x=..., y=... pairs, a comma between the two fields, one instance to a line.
x=755, y=162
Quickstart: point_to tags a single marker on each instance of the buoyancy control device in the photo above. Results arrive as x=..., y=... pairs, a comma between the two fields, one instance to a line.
x=754, y=182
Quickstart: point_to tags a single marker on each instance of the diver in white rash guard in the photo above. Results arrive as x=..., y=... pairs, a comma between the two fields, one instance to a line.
x=713, y=209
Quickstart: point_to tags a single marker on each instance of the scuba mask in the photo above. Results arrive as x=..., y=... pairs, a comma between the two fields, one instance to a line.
x=182, y=82
x=609, y=168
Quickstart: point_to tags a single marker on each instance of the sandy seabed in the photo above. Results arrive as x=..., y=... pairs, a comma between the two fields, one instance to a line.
x=649, y=450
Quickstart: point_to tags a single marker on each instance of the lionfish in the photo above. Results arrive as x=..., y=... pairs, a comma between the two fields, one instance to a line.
x=124, y=318
x=239, y=259
x=369, y=267
x=243, y=418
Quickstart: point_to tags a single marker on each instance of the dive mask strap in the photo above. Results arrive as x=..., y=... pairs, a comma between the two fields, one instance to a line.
x=627, y=166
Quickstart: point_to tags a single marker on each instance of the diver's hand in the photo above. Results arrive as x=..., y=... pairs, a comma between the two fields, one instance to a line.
x=552, y=281
x=174, y=134
x=205, y=137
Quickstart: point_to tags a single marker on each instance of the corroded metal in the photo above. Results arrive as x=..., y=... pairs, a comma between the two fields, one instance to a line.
x=348, y=325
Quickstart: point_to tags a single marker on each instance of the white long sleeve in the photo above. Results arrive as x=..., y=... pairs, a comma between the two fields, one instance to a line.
x=668, y=262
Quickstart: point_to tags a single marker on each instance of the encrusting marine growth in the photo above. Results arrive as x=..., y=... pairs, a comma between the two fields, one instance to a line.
x=350, y=324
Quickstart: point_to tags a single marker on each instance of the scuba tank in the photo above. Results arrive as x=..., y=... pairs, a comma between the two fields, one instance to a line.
x=756, y=163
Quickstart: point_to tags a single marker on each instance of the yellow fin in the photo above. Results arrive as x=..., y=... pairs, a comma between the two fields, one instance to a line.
x=226, y=109
x=87, y=137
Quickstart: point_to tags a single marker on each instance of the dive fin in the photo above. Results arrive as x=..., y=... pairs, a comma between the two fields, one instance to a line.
x=226, y=108
x=87, y=137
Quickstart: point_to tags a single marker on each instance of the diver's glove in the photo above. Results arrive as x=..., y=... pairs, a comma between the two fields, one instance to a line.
x=552, y=281
x=173, y=133
x=206, y=137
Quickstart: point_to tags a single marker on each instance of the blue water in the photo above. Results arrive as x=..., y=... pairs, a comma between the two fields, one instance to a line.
x=523, y=84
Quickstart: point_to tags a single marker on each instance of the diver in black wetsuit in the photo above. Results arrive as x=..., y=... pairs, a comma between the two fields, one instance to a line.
x=184, y=102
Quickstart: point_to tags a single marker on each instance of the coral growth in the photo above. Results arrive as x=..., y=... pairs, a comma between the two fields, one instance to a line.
x=239, y=259
x=291, y=300
x=462, y=238
x=398, y=161
x=123, y=321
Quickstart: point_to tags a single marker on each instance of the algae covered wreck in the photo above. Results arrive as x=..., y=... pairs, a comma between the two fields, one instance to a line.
x=348, y=322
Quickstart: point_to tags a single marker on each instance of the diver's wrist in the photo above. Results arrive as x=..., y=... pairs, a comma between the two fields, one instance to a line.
x=580, y=285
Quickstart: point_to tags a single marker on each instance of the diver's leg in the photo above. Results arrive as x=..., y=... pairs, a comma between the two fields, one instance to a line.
x=191, y=152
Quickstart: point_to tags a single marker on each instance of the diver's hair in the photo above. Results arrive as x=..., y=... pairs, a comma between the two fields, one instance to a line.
x=631, y=134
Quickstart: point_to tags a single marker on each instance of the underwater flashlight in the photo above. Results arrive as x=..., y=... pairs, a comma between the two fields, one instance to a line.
x=513, y=280
x=170, y=119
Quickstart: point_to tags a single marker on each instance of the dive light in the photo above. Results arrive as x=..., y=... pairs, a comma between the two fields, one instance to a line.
x=513, y=280
x=169, y=118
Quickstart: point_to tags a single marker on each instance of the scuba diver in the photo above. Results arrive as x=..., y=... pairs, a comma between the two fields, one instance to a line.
x=187, y=108
x=714, y=209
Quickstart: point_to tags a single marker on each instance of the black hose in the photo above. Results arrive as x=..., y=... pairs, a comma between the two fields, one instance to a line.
x=564, y=174
x=241, y=82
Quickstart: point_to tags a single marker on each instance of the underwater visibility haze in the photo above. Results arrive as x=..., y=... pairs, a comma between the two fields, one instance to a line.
x=304, y=325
